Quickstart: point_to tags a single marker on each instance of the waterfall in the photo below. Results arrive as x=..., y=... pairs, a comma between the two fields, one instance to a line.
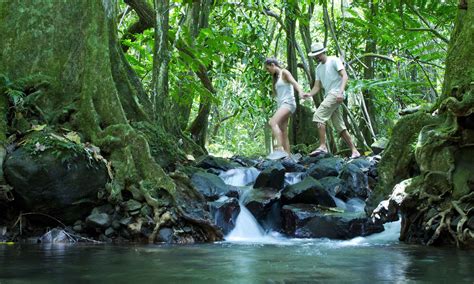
x=247, y=229
x=240, y=176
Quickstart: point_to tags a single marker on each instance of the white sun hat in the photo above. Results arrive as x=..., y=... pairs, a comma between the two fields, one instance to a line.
x=316, y=49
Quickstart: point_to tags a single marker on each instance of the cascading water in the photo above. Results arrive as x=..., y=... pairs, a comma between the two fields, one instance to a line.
x=240, y=176
x=247, y=229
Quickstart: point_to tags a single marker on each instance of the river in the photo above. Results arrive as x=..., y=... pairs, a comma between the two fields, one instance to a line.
x=377, y=258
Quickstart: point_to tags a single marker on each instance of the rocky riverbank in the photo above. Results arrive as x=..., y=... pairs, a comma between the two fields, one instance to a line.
x=309, y=197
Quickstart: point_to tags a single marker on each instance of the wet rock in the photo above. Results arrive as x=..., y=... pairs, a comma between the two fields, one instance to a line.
x=387, y=210
x=244, y=161
x=195, y=211
x=98, y=220
x=104, y=238
x=355, y=183
x=106, y=208
x=272, y=220
x=45, y=184
x=109, y=232
x=332, y=184
x=209, y=185
x=124, y=233
x=146, y=210
x=125, y=221
x=78, y=228
x=361, y=163
x=271, y=177
x=326, y=167
x=56, y=236
x=379, y=145
x=308, y=160
x=165, y=235
x=225, y=211
x=309, y=191
x=132, y=205
x=308, y=221
x=211, y=162
x=259, y=201
x=292, y=166
x=115, y=224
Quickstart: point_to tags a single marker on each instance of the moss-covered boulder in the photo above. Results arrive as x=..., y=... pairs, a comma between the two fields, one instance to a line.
x=65, y=187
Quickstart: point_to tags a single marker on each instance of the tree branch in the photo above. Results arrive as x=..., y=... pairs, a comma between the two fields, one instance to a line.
x=375, y=55
x=429, y=27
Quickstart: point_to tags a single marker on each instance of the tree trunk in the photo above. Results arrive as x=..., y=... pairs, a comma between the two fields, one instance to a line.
x=89, y=87
x=438, y=207
x=161, y=58
x=200, y=125
x=290, y=23
x=369, y=73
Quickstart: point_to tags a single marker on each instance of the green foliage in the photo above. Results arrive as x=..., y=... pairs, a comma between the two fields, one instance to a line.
x=240, y=36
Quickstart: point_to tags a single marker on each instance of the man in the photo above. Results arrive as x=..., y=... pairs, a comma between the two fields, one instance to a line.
x=332, y=77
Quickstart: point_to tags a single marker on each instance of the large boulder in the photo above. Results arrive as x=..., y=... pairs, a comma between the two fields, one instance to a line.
x=64, y=186
x=292, y=166
x=355, y=183
x=332, y=184
x=210, y=185
x=224, y=212
x=259, y=201
x=326, y=167
x=309, y=191
x=308, y=221
x=271, y=177
x=211, y=162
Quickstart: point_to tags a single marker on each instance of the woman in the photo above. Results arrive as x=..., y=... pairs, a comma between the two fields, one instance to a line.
x=283, y=84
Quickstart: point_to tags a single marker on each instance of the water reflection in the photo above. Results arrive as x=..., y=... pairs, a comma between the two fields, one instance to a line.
x=310, y=260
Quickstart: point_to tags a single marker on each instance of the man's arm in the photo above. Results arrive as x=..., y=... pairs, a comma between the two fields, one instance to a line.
x=316, y=88
x=345, y=78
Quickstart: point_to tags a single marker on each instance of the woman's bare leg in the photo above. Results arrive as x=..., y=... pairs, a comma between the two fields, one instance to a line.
x=280, y=118
x=286, y=140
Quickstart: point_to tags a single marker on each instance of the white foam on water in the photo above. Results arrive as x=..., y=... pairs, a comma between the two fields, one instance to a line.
x=240, y=176
x=247, y=230
x=389, y=235
x=293, y=178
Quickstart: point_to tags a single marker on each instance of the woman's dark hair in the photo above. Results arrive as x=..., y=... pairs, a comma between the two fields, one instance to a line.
x=274, y=61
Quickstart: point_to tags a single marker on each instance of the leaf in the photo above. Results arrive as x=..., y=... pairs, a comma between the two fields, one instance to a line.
x=72, y=136
x=38, y=127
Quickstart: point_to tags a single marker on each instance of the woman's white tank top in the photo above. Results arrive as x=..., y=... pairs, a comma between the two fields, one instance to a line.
x=284, y=92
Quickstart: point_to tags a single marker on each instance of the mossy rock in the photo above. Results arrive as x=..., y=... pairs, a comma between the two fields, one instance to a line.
x=45, y=183
x=398, y=161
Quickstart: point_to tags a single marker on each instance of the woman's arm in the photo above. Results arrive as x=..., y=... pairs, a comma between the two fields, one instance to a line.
x=289, y=78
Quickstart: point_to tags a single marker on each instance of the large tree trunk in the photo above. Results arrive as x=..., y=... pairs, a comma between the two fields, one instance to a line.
x=369, y=73
x=199, y=127
x=438, y=208
x=161, y=58
x=89, y=87
x=290, y=23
